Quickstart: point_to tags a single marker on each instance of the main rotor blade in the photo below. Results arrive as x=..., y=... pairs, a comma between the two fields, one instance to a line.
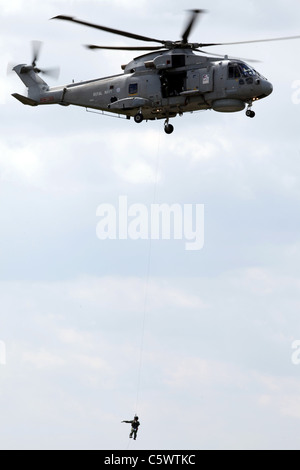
x=248, y=42
x=191, y=24
x=36, y=49
x=111, y=48
x=109, y=30
x=222, y=56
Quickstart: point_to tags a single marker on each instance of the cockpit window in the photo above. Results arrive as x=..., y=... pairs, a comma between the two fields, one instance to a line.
x=239, y=70
x=246, y=70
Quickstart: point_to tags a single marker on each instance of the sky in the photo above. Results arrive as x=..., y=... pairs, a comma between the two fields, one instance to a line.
x=198, y=343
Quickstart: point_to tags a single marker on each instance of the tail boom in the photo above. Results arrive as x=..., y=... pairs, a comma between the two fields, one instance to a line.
x=39, y=91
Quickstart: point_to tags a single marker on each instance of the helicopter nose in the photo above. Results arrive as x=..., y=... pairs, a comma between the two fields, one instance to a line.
x=267, y=88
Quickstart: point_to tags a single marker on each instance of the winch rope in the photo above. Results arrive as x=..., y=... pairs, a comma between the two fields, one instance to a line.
x=147, y=282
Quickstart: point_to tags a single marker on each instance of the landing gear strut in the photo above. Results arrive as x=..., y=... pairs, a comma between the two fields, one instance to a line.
x=169, y=129
x=249, y=112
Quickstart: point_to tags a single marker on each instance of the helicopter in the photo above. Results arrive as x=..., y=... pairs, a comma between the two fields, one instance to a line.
x=171, y=79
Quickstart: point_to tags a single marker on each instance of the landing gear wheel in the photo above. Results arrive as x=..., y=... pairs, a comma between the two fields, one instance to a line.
x=250, y=114
x=169, y=129
x=138, y=118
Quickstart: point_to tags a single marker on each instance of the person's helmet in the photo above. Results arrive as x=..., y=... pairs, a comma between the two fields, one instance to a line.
x=136, y=418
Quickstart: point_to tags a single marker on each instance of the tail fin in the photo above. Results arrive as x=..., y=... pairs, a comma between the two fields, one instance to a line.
x=35, y=84
x=25, y=99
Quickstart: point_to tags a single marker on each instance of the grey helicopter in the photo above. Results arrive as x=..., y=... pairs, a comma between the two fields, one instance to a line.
x=169, y=80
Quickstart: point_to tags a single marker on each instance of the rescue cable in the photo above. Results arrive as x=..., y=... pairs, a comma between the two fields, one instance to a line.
x=147, y=282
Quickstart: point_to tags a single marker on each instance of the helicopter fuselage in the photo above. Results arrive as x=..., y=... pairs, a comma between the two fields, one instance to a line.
x=158, y=86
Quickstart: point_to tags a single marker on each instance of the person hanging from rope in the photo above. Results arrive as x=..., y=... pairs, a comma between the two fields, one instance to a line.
x=134, y=426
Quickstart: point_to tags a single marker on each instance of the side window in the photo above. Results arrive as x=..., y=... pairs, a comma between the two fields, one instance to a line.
x=233, y=71
x=230, y=72
x=133, y=88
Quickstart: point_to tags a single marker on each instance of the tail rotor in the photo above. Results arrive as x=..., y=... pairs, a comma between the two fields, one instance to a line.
x=36, y=50
x=36, y=46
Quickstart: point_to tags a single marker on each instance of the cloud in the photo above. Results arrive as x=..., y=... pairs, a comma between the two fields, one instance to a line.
x=72, y=337
x=281, y=396
x=94, y=363
x=43, y=359
x=84, y=337
x=8, y=8
x=19, y=163
x=197, y=373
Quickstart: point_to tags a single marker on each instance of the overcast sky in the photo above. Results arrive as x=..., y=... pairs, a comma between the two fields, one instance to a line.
x=219, y=325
